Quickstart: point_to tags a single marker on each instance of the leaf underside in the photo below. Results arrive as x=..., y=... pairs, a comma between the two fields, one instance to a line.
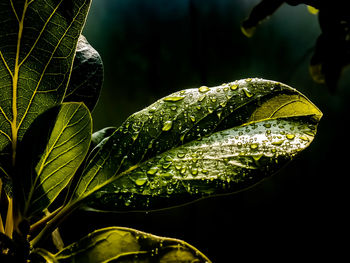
x=118, y=244
x=59, y=150
x=199, y=142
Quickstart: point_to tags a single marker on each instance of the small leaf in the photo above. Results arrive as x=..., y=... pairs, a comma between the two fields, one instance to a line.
x=61, y=147
x=87, y=75
x=230, y=139
x=118, y=244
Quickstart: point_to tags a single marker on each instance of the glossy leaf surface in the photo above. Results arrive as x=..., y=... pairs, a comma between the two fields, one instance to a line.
x=200, y=142
x=38, y=40
x=53, y=160
x=118, y=244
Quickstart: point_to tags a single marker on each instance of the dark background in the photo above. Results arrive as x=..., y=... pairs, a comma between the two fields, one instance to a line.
x=152, y=48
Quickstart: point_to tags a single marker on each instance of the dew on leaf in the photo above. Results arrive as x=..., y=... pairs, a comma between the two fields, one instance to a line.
x=234, y=87
x=174, y=98
x=167, y=125
x=141, y=181
x=152, y=170
x=201, y=98
x=247, y=93
x=290, y=136
x=203, y=89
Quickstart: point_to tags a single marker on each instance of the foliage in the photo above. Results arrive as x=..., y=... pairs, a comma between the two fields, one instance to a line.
x=191, y=144
x=332, y=48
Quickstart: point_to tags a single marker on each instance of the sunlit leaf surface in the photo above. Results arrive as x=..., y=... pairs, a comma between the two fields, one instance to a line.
x=118, y=244
x=200, y=142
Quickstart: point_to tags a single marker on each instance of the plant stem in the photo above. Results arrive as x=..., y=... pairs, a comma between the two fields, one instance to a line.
x=54, y=222
x=9, y=218
x=35, y=227
x=2, y=230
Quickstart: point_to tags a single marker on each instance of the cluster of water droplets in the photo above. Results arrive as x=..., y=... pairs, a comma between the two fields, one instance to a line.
x=187, y=156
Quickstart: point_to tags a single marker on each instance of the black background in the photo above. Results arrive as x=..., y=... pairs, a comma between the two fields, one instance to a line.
x=152, y=48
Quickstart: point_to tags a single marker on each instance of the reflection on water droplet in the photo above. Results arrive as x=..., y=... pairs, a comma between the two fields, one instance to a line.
x=141, y=181
x=254, y=146
x=277, y=143
x=181, y=154
x=247, y=93
x=166, y=165
x=167, y=125
x=290, y=136
x=219, y=114
x=201, y=98
x=174, y=98
x=234, y=87
x=152, y=170
x=203, y=89
x=304, y=138
x=194, y=171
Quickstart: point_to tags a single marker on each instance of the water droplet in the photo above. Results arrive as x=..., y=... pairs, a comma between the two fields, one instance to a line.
x=267, y=125
x=210, y=110
x=153, y=109
x=203, y=89
x=213, y=99
x=201, y=98
x=193, y=119
x=257, y=157
x=166, y=165
x=234, y=87
x=248, y=80
x=194, y=171
x=174, y=98
x=219, y=113
x=304, y=138
x=204, y=171
x=247, y=93
x=290, y=136
x=167, y=125
x=173, y=108
x=152, y=170
x=141, y=181
x=183, y=170
x=181, y=154
x=277, y=143
x=254, y=146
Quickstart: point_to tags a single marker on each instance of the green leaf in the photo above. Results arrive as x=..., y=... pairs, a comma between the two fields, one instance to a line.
x=87, y=75
x=118, y=244
x=38, y=40
x=199, y=142
x=59, y=149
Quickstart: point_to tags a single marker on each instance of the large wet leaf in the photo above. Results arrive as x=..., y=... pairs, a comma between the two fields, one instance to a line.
x=122, y=245
x=62, y=137
x=200, y=142
x=38, y=40
x=87, y=75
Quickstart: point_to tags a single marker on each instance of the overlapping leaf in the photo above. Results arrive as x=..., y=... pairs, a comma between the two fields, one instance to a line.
x=118, y=244
x=60, y=146
x=87, y=75
x=200, y=142
x=37, y=45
